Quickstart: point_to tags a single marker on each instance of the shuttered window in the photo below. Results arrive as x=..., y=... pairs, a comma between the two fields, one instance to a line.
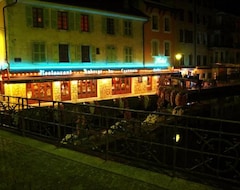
x=63, y=53
x=37, y=17
x=39, y=52
x=84, y=23
x=62, y=20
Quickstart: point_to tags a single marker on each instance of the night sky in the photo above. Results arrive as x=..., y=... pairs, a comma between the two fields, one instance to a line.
x=230, y=6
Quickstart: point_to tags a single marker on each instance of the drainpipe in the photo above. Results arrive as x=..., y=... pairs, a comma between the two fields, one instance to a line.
x=143, y=42
x=143, y=37
x=5, y=29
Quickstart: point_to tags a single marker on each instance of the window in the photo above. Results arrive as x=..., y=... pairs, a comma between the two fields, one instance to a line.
x=149, y=83
x=84, y=23
x=85, y=50
x=167, y=49
x=111, y=54
x=110, y=26
x=204, y=60
x=128, y=54
x=155, y=22
x=37, y=17
x=181, y=36
x=204, y=38
x=38, y=52
x=198, y=60
x=221, y=57
x=87, y=88
x=65, y=90
x=121, y=85
x=188, y=36
x=181, y=16
x=63, y=53
x=127, y=28
x=199, y=38
x=190, y=57
x=155, y=48
x=237, y=57
x=41, y=91
x=166, y=24
x=182, y=60
x=198, y=19
x=216, y=57
x=62, y=20
x=190, y=17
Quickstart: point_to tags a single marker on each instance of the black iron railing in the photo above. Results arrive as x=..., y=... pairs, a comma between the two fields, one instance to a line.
x=185, y=146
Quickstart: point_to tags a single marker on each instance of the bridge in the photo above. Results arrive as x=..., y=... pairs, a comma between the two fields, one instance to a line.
x=186, y=146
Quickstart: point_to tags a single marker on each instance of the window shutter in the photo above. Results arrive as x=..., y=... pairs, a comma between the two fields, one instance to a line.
x=29, y=20
x=117, y=26
x=93, y=54
x=91, y=24
x=78, y=54
x=54, y=19
x=46, y=17
x=78, y=21
x=71, y=20
x=32, y=49
x=72, y=53
x=115, y=54
x=55, y=53
x=104, y=25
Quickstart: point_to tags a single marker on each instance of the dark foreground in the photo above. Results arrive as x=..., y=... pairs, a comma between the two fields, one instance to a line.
x=29, y=164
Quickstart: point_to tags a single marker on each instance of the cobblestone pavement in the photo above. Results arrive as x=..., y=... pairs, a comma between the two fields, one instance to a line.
x=31, y=165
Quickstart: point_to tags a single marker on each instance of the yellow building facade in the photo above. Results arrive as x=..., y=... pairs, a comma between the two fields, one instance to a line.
x=73, y=53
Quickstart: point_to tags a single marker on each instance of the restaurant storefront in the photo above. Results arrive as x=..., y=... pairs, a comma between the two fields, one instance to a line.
x=83, y=86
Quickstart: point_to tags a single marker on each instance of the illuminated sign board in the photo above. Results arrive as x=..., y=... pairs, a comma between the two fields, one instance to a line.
x=54, y=73
x=109, y=71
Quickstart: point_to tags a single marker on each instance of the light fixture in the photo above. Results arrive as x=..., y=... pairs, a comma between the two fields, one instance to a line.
x=178, y=56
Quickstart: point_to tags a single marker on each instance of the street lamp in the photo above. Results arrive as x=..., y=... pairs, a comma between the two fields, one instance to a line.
x=178, y=57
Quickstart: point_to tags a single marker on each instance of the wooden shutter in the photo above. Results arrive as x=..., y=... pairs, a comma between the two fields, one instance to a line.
x=78, y=21
x=78, y=53
x=104, y=25
x=29, y=19
x=93, y=54
x=55, y=53
x=46, y=17
x=117, y=26
x=71, y=21
x=54, y=19
x=91, y=24
x=72, y=53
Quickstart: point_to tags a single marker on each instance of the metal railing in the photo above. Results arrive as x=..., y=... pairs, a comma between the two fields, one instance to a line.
x=184, y=146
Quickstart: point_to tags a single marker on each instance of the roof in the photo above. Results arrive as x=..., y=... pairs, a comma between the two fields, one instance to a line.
x=119, y=6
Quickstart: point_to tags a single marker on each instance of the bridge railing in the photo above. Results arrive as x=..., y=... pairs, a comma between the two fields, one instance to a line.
x=184, y=146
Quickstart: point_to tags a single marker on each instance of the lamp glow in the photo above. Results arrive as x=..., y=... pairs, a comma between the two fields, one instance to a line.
x=178, y=56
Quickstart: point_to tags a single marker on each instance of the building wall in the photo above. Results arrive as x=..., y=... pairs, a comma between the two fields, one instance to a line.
x=21, y=36
x=2, y=34
x=162, y=11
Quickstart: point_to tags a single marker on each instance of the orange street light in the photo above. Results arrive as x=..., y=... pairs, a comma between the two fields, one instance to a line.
x=178, y=57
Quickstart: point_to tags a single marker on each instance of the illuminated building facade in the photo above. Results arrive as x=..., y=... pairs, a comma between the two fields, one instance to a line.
x=159, y=31
x=74, y=53
x=90, y=50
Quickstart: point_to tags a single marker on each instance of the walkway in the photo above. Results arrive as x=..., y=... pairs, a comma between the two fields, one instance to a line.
x=31, y=164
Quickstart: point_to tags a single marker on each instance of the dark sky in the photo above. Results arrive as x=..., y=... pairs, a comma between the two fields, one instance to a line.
x=231, y=6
